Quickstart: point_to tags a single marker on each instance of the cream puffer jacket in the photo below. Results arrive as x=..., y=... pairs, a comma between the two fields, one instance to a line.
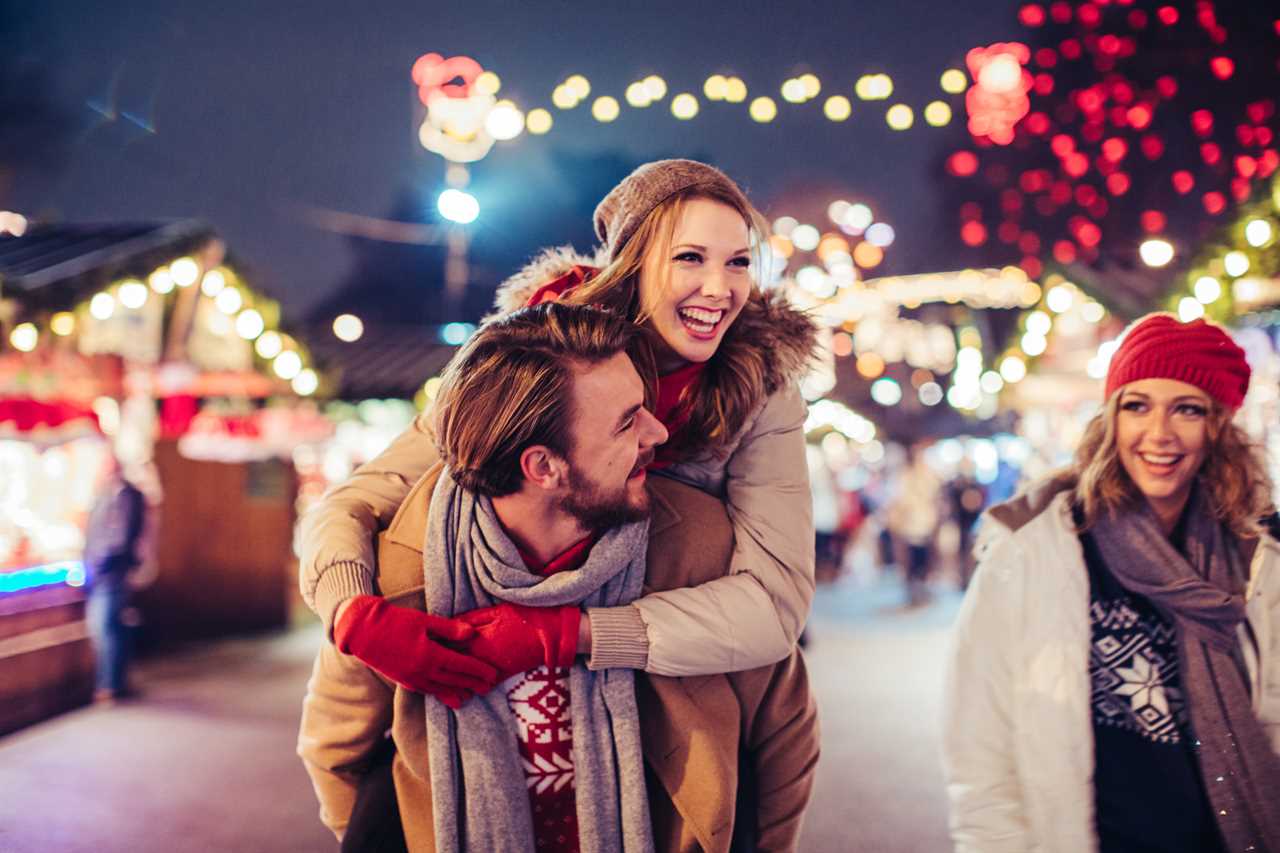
x=1017, y=725
x=747, y=619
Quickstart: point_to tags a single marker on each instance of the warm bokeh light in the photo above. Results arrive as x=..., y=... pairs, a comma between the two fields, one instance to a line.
x=735, y=90
x=867, y=256
x=870, y=365
x=578, y=85
x=716, y=87
x=538, y=121
x=805, y=237
x=937, y=114
x=763, y=109
x=229, y=301
x=185, y=271
x=900, y=117
x=161, y=281
x=24, y=337
x=1013, y=369
x=268, y=345
x=605, y=109
x=812, y=85
x=504, y=121
x=488, y=83
x=458, y=206
x=1235, y=263
x=793, y=91
x=1207, y=289
x=954, y=81
x=1156, y=252
x=684, y=106
x=637, y=95
x=133, y=294
x=287, y=364
x=656, y=87
x=1190, y=309
x=563, y=98
x=1258, y=232
x=305, y=383
x=249, y=324
x=62, y=323
x=211, y=285
x=837, y=108
x=348, y=327
x=873, y=87
x=102, y=306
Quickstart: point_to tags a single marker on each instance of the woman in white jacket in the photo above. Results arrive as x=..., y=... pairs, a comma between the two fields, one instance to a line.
x=1114, y=679
x=679, y=248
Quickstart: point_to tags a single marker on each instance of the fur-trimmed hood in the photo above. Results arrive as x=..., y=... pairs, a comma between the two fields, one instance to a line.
x=769, y=329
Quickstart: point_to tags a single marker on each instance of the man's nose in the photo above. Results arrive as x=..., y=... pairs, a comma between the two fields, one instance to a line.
x=652, y=432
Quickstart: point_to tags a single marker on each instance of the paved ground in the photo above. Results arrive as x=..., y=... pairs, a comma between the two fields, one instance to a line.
x=205, y=761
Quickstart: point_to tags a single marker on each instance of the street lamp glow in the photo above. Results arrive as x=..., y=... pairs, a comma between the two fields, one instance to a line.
x=684, y=106
x=605, y=109
x=287, y=364
x=249, y=324
x=504, y=121
x=458, y=206
x=1156, y=252
x=305, y=383
x=1207, y=289
x=24, y=337
x=102, y=306
x=1236, y=263
x=348, y=328
x=133, y=294
x=269, y=345
x=763, y=109
x=538, y=121
x=1258, y=232
x=185, y=271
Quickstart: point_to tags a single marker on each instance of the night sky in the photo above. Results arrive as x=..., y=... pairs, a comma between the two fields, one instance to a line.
x=241, y=113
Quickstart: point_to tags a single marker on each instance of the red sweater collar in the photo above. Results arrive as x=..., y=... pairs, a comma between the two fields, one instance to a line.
x=566, y=561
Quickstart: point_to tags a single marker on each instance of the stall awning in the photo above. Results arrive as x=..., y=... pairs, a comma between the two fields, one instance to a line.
x=387, y=362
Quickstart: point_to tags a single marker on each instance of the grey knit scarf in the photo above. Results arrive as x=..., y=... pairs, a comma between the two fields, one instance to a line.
x=1203, y=593
x=479, y=798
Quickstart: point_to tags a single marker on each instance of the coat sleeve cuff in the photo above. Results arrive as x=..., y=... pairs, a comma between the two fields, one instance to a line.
x=339, y=582
x=619, y=639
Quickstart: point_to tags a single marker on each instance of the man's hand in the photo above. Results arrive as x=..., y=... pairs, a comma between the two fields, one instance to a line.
x=403, y=645
x=515, y=638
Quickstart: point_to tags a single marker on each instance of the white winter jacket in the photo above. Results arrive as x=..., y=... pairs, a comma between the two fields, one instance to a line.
x=1017, y=726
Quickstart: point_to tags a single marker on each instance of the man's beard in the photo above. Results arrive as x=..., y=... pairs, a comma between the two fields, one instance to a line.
x=598, y=509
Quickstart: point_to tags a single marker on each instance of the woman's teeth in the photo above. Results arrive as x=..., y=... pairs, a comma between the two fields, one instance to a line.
x=1160, y=459
x=700, y=320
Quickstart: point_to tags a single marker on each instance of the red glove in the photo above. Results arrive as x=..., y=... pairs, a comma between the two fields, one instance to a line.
x=401, y=644
x=515, y=638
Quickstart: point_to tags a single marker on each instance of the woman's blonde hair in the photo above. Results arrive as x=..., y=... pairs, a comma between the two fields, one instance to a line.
x=1233, y=471
x=719, y=403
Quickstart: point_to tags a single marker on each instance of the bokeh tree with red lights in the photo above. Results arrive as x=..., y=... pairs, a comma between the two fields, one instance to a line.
x=1139, y=120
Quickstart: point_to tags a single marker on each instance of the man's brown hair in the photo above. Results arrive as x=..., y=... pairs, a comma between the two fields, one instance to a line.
x=510, y=387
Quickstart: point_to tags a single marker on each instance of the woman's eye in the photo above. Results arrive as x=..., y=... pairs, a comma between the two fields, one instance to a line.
x=1193, y=410
x=742, y=263
x=1131, y=406
x=689, y=257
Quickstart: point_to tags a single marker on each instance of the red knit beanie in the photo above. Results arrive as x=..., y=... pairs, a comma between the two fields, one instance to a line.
x=1200, y=353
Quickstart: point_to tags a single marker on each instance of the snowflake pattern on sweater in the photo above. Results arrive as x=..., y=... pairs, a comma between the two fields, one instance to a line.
x=539, y=699
x=1133, y=664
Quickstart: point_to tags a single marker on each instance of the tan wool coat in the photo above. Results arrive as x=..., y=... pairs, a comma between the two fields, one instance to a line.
x=693, y=728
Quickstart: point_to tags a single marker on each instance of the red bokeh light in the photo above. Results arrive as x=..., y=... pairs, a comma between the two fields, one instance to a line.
x=1222, y=67
x=1010, y=201
x=1089, y=100
x=1118, y=184
x=1152, y=146
x=1075, y=164
x=1240, y=189
x=1008, y=232
x=1106, y=167
x=1168, y=15
x=1070, y=49
x=973, y=233
x=1098, y=210
x=1215, y=203
x=1166, y=86
x=1115, y=148
x=1046, y=57
x=1109, y=44
x=1089, y=235
x=1086, y=195
x=1031, y=266
x=1259, y=111
x=1152, y=221
x=1033, y=180
x=1060, y=12
x=1138, y=19
x=1139, y=116
x=1121, y=92
x=962, y=164
x=1202, y=122
x=1246, y=166
x=1088, y=14
x=1263, y=135
x=1092, y=131
x=1183, y=182
x=1045, y=206
x=1064, y=251
x=1029, y=243
x=1210, y=153
x=1031, y=15
x=1042, y=84
x=1060, y=193
x=970, y=210
x=1062, y=145
x=1037, y=124
x=1268, y=162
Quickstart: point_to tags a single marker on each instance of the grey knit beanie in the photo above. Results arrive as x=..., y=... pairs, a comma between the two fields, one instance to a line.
x=620, y=213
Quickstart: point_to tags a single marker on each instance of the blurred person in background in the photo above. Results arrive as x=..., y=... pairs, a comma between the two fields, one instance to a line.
x=914, y=515
x=1114, y=680
x=111, y=554
x=965, y=498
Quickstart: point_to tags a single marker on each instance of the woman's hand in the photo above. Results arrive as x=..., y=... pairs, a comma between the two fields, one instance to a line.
x=515, y=638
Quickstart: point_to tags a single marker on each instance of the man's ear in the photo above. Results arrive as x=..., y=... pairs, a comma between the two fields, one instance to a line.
x=543, y=468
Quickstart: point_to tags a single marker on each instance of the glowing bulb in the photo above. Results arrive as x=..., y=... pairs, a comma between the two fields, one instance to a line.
x=937, y=114
x=185, y=271
x=899, y=117
x=637, y=95
x=1059, y=298
x=563, y=98
x=268, y=345
x=305, y=383
x=953, y=81
x=837, y=108
x=1190, y=309
x=579, y=86
x=1258, y=232
x=24, y=337
x=229, y=301
x=1039, y=323
x=1156, y=252
x=161, y=281
x=212, y=284
x=504, y=121
x=1033, y=344
x=735, y=90
x=249, y=324
x=684, y=106
x=1235, y=263
x=793, y=91
x=133, y=294
x=62, y=324
x=538, y=121
x=1207, y=289
x=716, y=87
x=287, y=364
x=656, y=87
x=1013, y=369
x=102, y=306
x=812, y=85
x=605, y=109
x=458, y=206
x=763, y=109
x=348, y=327
x=488, y=83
